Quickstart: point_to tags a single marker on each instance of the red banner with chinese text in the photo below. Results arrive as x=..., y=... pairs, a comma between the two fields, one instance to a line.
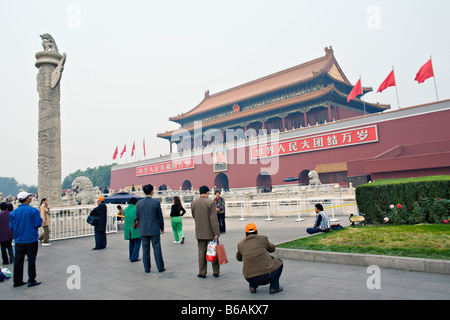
x=316, y=143
x=164, y=167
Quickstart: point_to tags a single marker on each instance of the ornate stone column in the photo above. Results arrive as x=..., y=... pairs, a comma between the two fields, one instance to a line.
x=50, y=64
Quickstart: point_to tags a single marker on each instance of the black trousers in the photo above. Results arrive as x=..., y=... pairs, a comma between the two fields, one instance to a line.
x=273, y=278
x=221, y=220
x=100, y=239
x=7, y=249
x=157, y=252
x=25, y=249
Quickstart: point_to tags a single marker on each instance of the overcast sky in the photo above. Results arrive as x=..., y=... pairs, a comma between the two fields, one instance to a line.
x=133, y=64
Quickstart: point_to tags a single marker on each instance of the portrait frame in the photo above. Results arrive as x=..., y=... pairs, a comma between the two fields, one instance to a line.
x=220, y=159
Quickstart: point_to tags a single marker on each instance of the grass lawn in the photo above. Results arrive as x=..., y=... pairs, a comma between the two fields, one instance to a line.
x=431, y=241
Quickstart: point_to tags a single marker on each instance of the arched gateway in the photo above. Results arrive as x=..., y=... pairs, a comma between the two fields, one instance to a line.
x=221, y=181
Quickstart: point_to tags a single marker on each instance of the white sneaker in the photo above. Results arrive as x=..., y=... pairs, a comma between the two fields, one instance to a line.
x=176, y=242
x=45, y=244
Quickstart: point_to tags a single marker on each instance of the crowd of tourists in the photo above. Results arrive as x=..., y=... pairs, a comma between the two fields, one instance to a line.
x=143, y=225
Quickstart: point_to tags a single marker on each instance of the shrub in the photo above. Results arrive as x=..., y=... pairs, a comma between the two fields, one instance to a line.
x=405, y=201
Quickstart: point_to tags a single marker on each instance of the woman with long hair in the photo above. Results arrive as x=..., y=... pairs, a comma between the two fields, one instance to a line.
x=44, y=209
x=176, y=212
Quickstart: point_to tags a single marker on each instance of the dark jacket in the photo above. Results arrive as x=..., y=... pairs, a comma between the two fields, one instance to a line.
x=100, y=212
x=5, y=232
x=149, y=214
x=253, y=251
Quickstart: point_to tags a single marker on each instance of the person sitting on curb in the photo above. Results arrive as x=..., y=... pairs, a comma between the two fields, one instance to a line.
x=259, y=267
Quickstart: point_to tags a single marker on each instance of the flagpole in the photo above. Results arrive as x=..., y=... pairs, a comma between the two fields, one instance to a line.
x=434, y=78
x=362, y=96
x=396, y=90
x=145, y=152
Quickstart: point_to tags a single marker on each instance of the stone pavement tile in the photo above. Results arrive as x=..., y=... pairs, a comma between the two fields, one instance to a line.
x=7, y=292
x=438, y=287
x=412, y=294
x=108, y=274
x=147, y=293
x=346, y=294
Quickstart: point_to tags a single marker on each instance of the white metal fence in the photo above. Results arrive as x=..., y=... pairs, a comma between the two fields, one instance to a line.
x=281, y=208
x=66, y=223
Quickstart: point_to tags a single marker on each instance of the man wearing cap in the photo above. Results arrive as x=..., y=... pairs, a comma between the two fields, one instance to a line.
x=100, y=229
x=260, y=267
x=24, y=223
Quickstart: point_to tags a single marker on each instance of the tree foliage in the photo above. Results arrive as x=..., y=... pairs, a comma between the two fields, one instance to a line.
x=10, y=186
x=100, y=176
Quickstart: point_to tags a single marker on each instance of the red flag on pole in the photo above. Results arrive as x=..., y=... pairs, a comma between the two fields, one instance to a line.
x=144, y=147
x=389, y=82
x=425, y=72
x=116, y=153
x=123, y=151
x=133, y=148
x=357, y=90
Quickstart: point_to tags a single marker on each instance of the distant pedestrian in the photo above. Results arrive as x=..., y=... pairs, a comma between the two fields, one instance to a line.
x=322, y=223
x=220, y=208
x=44, y=209
x=119, y=214
x=151, y=226
x=176, y=212
x=6, y=235
x=206, y=229
x=260, y=268
x=25, y=222
x=130, y=233
x=10, y=207
x=100, y=228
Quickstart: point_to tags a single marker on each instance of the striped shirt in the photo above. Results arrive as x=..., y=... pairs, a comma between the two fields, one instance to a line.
x=322, y=221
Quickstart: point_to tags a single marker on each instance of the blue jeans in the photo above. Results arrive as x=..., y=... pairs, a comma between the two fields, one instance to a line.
x=134, y=247
x=273, y=278
x=316, y=230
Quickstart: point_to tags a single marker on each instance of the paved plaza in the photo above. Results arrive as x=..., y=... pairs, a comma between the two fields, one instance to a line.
x=108, y=274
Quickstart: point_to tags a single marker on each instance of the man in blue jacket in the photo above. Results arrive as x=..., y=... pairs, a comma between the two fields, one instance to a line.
x=24, y=223
x=151, y=226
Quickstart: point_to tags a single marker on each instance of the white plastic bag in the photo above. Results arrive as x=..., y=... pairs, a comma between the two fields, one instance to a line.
x=211, y=254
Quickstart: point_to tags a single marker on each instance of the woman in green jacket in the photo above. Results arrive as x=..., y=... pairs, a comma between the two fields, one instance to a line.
x=130, y=233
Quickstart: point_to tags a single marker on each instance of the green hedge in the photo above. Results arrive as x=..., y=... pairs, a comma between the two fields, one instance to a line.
x=421, y=200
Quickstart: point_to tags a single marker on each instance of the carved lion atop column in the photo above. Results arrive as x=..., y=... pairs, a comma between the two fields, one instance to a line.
x=84, y=190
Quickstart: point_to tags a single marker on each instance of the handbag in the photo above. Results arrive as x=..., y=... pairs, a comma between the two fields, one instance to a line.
x=92, y=220
x=211, y=254
x=221, y=254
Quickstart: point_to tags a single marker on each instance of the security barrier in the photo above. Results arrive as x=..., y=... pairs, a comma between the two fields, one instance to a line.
x=279, y=207
x=66, y=223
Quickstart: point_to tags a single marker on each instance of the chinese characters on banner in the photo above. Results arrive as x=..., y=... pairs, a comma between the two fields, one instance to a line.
x=315, y=143
x=164, y=167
